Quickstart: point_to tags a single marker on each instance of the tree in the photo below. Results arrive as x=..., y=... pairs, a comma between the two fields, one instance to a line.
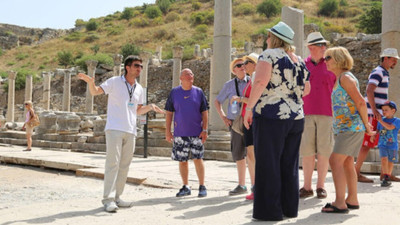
x=164, y=5
x=269, y=8
x=92, y=25
x=328, y=7
x=65, y=58
x=127, y=13
x=371, y=20
x=130, y=49
x=152, y=12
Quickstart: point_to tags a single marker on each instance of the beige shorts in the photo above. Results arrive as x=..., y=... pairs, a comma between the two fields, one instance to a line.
x=28, y=129
x=317, y=136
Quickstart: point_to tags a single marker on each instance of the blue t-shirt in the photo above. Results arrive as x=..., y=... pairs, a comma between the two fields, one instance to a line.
x=388, y=138
x=187, y=107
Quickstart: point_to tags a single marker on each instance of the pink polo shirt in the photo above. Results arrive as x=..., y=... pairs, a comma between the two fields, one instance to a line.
x=319, y=102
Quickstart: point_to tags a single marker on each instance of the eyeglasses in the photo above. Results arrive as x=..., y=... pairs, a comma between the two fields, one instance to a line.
x=26, y=104
x=320, y=44
x=138, y=65
x=327, y=58
x=247, y=62
x=239, y=65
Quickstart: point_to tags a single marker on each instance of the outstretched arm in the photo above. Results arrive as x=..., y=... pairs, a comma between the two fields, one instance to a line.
x=145, y=109
x=94, y=90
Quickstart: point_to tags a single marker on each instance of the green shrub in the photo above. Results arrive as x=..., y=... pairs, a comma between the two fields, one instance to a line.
x=3, y=74
x=80, y=22
x=164, y=5
x=243, y=9
x=140, y=22
x=41, y=67
x=334, y=29
x=10, y=63
x=196, y=5
x=127, y=14
x=92, y=25
x=91, y=38
x=172, y=16
x=371, y=21
x=269, y=8
x=152, y=12
x=101, y=58
x=202, y=28
x=115, y=30
x=130, y=49
x=203, y=17
x=108, y=18
x=21, y=77
x=157, y=21
x=65, y=58
x=328, y=7
x=21, y=56
x=74, y=36
x=95, y=49
x=343, y=3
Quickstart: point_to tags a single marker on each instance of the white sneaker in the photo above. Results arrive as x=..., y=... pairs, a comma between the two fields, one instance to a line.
x=123, y=204
x=110, y=207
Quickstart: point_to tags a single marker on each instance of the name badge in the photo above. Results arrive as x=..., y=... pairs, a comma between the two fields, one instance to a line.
x=131, y=104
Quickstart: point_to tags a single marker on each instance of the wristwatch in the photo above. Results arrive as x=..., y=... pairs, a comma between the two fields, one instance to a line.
x=205, y=130
x=249, y=109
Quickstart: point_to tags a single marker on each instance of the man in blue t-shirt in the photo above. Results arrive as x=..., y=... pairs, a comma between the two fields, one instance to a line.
x=188, y=105
x=388, y=128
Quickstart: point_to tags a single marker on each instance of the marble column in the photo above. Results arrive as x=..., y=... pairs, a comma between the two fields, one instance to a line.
x=391, y=39
x=91, y=66
x=28, y=90
x=67, y=91
x=145, y=56
x=221, y=57
x=159, y=52
x=177, y=53
x=197, y=51
x=46, y=90
x=117, y=64
x=11, y=95
x=295, y=19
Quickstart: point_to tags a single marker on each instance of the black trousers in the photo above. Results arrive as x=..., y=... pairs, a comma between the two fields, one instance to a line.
x=276, y=144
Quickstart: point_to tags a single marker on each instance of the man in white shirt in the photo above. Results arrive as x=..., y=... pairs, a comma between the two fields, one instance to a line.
x=125, y=102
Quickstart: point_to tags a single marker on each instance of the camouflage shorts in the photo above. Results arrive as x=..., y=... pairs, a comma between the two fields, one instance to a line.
x=184, y=145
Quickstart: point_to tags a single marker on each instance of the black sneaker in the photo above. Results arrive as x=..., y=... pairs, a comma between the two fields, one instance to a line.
x=183, y=191
x=385, y=183
x=202, y=191
x=238, y=190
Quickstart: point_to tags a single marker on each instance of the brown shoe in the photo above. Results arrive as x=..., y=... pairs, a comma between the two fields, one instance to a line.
x=394, y=178
x=305, y=193
x=363, y=179
x=321, y=193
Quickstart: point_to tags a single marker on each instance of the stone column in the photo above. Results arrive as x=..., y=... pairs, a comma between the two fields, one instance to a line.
x=145, y=56
x=28, y=90
x=295, y=19
x=67, y=91
x=177, y=53
x=159, y=52
x=197, y=52
x=46, y=90
x=11, y=95
x=391, y=39
x=221, y=57
x=91, y=66
x=117, y=64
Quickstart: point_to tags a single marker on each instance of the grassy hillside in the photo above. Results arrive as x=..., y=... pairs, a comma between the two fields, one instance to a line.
x=186, y=22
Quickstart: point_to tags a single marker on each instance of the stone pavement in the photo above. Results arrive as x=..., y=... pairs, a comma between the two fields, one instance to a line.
x=378, y=205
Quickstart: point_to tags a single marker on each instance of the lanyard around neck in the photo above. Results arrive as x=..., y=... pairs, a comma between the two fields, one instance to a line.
x=130, y=90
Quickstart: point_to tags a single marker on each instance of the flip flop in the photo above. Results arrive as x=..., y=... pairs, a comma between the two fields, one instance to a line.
x=349, y=206
x=334, y=209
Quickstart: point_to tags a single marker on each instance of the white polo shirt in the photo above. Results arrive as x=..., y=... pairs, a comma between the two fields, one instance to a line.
x=121, y=108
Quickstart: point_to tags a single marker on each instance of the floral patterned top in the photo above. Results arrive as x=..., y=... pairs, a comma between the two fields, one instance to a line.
x=345, y=113
x=283, y=97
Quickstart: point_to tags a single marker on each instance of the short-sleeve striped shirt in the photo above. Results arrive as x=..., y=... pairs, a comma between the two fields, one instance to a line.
x=380, y=78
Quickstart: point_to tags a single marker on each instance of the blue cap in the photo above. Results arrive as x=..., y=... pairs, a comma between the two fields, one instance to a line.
x=391, y=104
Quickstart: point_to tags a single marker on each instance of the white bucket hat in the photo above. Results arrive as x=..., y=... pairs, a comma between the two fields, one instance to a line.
x=390, y=52
x=316, y=38
x=253, y=57
x=283, y=32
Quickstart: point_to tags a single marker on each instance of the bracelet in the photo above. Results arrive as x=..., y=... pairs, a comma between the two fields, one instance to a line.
x=249, y=109
x=205, y=130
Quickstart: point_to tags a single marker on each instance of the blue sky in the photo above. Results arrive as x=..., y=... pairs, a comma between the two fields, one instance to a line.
x=59, y=14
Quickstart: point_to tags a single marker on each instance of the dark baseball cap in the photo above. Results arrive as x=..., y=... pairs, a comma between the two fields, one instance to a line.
x=391, y=104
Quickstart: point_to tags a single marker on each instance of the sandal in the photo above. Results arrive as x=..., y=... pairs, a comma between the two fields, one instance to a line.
x=350, y=206
x=27, y=150
x=334, y=209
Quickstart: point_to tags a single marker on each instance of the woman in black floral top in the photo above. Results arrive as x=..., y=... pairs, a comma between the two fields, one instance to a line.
x=275, y=108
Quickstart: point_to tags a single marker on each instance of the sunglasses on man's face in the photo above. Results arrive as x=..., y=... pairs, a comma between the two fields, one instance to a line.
x=327, y=58
x=320, y=44
x=247, y=62
x=239, y=65
x=138, y=65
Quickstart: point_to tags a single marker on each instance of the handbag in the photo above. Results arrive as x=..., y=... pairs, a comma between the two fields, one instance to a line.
x=34, y=122
x=237, y=124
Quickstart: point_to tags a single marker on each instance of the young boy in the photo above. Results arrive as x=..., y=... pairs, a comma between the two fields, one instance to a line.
x=388, y=128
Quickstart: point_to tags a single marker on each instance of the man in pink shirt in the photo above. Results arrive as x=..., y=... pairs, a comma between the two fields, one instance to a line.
x=317, y=140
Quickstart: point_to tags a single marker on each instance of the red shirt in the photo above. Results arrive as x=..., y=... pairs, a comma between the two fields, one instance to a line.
x=319, y=101
x=246, y=93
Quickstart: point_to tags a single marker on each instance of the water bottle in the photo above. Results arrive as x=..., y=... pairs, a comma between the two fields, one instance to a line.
x=234, y=108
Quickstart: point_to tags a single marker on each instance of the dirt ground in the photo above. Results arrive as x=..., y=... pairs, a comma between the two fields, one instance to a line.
x=30, y=195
